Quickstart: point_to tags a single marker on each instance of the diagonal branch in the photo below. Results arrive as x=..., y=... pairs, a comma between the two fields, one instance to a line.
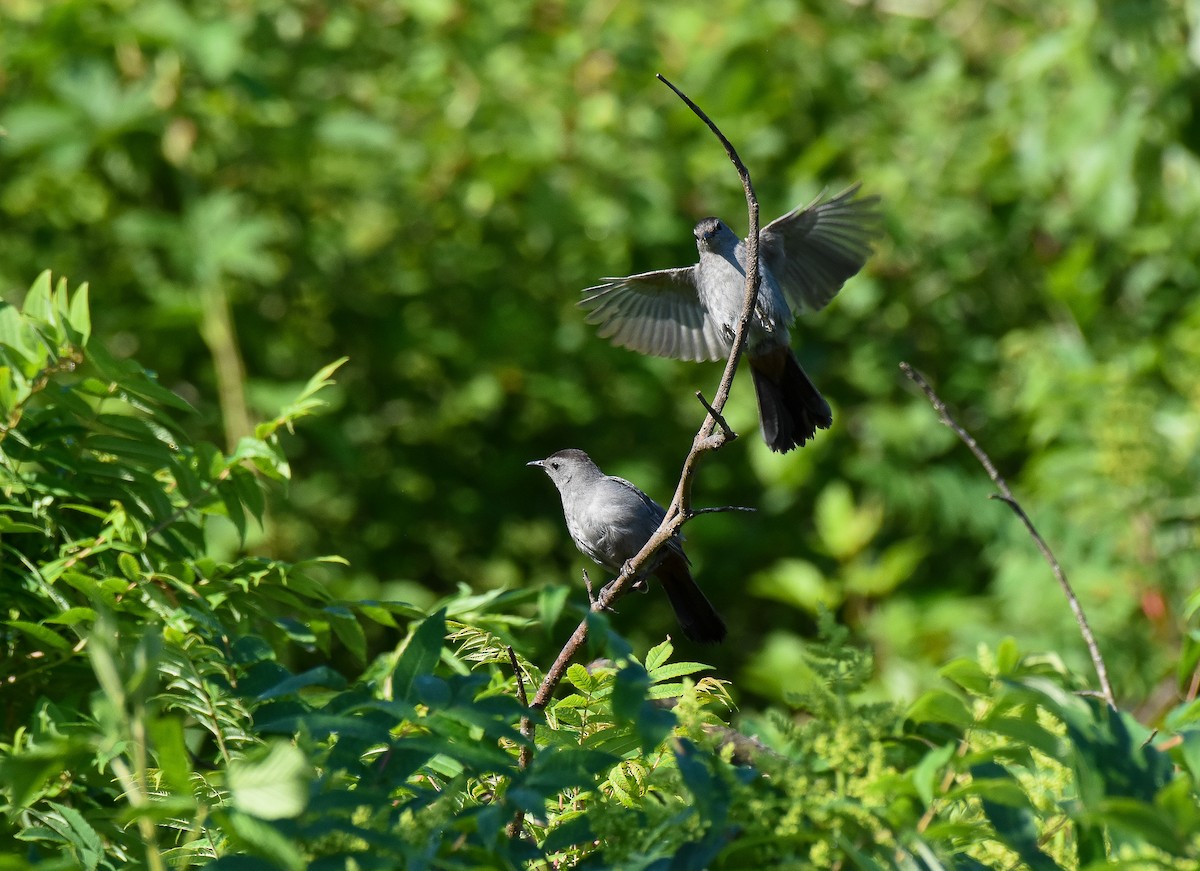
x=708, y=437
x=1006, y=496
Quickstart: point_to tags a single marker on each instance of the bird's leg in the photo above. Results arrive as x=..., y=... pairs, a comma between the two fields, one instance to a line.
x=587, y=582
x=639, y=582
x=594, y=600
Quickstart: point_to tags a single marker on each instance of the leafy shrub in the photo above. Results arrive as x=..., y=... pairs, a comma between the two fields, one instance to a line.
x=163, y=708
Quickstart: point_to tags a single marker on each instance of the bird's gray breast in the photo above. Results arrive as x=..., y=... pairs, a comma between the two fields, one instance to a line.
x=722, y=287
x=610, y=523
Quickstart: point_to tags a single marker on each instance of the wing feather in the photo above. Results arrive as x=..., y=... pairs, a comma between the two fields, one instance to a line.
x=656, y=313
x=814, y=249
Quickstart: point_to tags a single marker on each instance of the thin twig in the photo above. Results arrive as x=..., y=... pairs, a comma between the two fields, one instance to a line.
x=516, y=666
x=1007, y=498
x=679, y=511
x=717, y=416
x=695, y=512
x=514, y=827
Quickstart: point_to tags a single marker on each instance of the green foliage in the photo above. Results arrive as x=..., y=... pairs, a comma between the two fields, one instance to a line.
x=423, y=187
x=261, y=188
x=166, y=709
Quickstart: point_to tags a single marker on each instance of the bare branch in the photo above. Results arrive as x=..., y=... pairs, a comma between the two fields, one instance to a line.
x=1006, y=496
x=705, y=440
x=514, y=827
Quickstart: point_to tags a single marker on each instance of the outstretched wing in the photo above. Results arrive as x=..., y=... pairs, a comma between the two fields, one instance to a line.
x=813, y=250
x=656, y=313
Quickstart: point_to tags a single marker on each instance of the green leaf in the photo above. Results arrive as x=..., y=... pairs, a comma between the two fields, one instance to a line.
x=551, y=773
x=1189, y=752
x=1024, y=730
x=76, y=831
x=927, y=775
x=629, y=692
x=670, y=671
x=348, y=630
x=658, y=655
x=844, y=528
x=579, y=678
x=1139, y=820
x=72, y=617
x=166, y=737
x=318, y=676
x=272, y=783
x=27, y=775
x=38, y=303
x=939, y=706
x=420, y=656
x=259, y=837
x=968, y=674
x=79, y=316
x=1008, y=809
x=48, y=638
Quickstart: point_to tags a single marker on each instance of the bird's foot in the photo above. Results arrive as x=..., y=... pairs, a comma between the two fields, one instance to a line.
x=603, y=595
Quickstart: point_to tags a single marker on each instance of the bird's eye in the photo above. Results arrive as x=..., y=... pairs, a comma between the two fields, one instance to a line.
x=554, y=465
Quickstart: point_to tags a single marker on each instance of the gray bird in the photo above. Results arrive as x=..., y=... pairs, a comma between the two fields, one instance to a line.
x=610, y=520
x=691, y=313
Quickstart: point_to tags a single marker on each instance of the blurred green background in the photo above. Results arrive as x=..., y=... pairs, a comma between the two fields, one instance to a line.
x=257, y=188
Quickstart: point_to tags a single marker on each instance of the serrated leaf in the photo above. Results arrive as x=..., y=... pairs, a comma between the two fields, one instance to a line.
x=579, y=678
x=673, y=670
x=78, y=832
x=658, y=655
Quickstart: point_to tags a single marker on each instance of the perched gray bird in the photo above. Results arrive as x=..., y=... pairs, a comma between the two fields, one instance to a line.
x=691, y=313
x=610, y=520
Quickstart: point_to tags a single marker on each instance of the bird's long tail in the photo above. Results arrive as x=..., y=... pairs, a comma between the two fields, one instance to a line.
x=790, y=408
x=698, y=618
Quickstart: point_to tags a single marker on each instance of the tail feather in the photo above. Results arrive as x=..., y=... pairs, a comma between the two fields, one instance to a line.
x=790, y=408
x=697, y=617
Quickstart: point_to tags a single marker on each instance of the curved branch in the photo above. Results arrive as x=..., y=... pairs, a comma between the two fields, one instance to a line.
x=1006, y=496
x=711, y=435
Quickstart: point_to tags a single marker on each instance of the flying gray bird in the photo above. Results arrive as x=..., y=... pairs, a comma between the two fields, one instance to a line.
x=691, y=313
x=610, y=520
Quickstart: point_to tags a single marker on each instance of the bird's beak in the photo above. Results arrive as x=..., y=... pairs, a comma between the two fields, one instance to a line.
x=536, y=463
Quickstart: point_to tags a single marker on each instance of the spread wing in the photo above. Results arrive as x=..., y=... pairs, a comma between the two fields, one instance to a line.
x=656, y=313
x=813, y=250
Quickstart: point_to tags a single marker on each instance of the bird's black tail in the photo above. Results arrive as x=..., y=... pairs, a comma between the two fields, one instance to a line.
x=790, y=408
x=698, y=618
